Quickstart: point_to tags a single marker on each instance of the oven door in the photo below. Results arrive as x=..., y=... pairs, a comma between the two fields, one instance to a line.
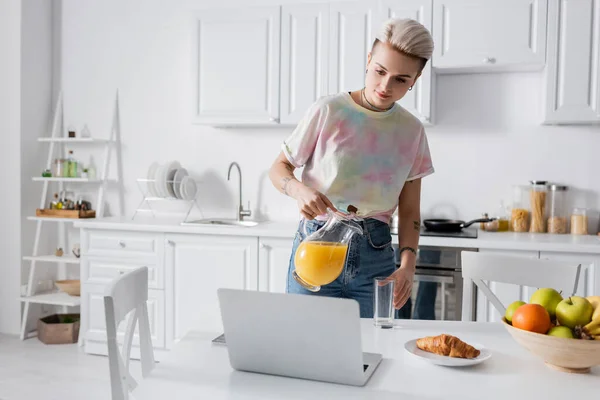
x=437, y=294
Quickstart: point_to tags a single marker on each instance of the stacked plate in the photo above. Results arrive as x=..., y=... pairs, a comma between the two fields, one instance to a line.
x=170, y=180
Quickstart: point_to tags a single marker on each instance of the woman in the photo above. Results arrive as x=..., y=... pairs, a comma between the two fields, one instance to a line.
x=362, y=151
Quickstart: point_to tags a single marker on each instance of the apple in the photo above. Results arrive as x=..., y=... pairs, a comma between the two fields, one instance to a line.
x=547, y=298
x=561, y=331
x=574, y=311
x=510, y=310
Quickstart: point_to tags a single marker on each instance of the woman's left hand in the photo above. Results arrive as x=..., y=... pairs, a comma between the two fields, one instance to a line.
x=403, y=282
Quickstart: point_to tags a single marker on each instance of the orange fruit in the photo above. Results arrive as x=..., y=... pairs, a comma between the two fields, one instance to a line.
x=532, y=317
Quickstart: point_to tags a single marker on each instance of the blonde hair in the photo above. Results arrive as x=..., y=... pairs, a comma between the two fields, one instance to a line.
x=408, y=37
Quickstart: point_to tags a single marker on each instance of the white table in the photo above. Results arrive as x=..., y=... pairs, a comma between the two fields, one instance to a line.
x=198, y=369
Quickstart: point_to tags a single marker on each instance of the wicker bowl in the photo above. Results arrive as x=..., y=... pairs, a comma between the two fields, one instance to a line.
x=70, y=286
x=568, y=355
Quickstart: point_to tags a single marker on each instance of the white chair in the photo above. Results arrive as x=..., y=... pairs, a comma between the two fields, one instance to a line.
x=479, y=267
x=127, y=293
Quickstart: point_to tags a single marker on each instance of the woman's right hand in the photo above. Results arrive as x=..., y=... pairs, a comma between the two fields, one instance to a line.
x=312, y=203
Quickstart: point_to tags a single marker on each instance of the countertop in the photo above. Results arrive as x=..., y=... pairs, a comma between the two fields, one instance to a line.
x=589, y=244
x=197, y=369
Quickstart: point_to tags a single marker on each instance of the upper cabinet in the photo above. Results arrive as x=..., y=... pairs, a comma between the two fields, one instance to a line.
x=573, y=68
x=488, y=35
x=236, y=76
x=352, y=30
x=418, y=101
x=304, y=42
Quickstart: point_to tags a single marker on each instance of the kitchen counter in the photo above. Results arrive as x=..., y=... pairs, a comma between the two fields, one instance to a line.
x=589, y=244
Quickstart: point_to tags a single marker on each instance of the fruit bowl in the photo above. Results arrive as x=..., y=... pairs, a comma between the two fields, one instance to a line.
x=563, y=354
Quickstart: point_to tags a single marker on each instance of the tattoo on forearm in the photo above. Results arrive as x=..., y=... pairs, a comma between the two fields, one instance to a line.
x=284, y=185
x=417, y=225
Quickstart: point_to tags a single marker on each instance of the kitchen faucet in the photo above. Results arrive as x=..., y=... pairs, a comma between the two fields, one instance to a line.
x=241, y=212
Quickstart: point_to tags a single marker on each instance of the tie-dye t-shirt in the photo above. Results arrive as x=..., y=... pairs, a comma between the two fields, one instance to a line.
x=359, y=157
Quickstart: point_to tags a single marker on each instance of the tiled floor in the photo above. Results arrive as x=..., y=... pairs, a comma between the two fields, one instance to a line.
x=31, y=370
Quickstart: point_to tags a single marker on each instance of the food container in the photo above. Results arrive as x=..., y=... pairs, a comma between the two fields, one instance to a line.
x=579, y=222
x=557, y=209
x=537, y=202
x=519, y=217
x=59, y=168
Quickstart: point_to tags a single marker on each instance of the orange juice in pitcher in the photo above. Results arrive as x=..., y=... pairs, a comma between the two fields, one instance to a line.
x=320, y=258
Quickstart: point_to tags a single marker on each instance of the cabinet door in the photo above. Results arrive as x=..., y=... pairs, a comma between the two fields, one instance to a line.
x=589, y=278
x=304, y=43
x=352, y=31
x=506, y=292
x=489, y=34
x=273, y=263
x=418, y=100
x=573, y=70
x=198, y=265
x=235, y=66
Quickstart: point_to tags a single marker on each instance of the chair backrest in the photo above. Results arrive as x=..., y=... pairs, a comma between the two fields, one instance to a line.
x=125, y=294
x=479, y=267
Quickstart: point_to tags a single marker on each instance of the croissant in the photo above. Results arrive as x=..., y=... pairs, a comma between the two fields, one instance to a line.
x=447, y=345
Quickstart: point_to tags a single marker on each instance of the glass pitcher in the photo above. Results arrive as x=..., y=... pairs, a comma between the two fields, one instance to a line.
x=321, y=257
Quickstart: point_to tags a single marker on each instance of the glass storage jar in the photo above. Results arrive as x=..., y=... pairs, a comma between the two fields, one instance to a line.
x=519, y=216
x=579, y=222
x=557, y=209
x=537, y=199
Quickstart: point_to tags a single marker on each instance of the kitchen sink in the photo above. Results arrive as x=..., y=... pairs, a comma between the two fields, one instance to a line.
x=221, y=221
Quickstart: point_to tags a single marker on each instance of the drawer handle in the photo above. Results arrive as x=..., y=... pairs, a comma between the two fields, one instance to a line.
x=121, y=272
x=122, y=244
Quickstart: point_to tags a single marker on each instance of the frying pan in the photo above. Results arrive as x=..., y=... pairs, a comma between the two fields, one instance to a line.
x=451, y=225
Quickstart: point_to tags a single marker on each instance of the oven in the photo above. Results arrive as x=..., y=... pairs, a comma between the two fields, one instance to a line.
x=438, y=284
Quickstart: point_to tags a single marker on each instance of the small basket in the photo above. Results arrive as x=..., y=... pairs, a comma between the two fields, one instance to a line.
x=70, y=286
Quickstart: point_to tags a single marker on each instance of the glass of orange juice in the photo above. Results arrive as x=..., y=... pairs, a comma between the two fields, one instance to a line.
x=321, y=257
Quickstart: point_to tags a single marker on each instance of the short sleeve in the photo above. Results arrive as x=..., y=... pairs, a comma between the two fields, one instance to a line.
x=422, y=166
x=300, y=145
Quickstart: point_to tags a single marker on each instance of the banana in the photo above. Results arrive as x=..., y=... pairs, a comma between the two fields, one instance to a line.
x=595, y=302
x=593, y=329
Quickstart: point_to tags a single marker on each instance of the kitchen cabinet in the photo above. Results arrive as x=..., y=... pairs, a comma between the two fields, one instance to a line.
x=353, y=27
x=196, y=266
x=488, y=35
x=236, y=76
x=418, y=101
x=572, y=76
x=273, y=263
x=304, y=50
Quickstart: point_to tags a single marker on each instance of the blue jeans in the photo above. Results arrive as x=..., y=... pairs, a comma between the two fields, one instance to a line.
x=370, y=255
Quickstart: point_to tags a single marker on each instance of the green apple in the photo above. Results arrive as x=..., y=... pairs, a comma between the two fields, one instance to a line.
x=561, y=331
x=574, y=311
x=510, y=310
x=547, y=298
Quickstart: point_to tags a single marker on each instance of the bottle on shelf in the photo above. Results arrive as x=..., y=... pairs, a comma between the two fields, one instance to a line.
x=72, y=166
x=91, y=169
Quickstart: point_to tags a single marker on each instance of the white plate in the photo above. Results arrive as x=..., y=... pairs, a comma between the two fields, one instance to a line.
x=158, y=181
x=151, y=174
x=411, y=347
x=169, y=173
x=179, y=175
x=188, y=188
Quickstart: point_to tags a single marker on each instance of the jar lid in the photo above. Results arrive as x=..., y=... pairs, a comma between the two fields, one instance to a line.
x=535, y=183
x=559, y=188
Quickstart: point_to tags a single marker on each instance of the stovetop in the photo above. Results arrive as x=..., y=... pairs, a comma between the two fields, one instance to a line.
x=468, y=233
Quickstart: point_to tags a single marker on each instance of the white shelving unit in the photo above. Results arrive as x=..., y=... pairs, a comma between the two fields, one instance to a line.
x=57, y=145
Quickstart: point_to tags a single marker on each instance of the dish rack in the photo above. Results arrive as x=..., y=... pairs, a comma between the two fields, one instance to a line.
x=176, y=192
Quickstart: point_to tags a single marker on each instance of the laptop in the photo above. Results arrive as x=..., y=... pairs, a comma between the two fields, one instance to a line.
x=298, y=336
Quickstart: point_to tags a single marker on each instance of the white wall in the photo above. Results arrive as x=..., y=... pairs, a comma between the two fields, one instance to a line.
x=36, y=118
x=487, y=138
x=10, y=201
